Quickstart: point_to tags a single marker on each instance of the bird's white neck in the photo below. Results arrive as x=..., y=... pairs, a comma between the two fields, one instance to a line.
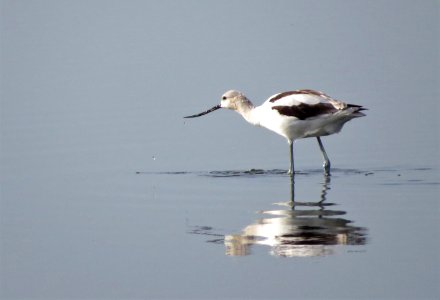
x=247, y=109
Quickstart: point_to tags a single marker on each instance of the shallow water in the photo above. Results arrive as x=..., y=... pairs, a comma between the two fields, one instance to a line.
x=108, y=193
x=292, y=228
x=261, y=235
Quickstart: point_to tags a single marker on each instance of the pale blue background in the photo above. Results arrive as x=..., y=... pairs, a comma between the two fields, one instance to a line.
x=94, y=91
x=137, y=67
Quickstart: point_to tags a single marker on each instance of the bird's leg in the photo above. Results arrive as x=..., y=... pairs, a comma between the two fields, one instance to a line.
x=292, y=167
x=324, y=155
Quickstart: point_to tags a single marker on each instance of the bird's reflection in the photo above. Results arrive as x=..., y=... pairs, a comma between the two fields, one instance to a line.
x=298, y=229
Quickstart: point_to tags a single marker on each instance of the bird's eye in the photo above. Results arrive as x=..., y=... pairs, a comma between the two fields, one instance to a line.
x=224, y=97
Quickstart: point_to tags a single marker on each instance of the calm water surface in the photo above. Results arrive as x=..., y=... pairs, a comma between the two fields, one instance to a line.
x=107, y=193
x=221, y=234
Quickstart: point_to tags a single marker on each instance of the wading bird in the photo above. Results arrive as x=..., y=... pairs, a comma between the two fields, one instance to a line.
x=294, y=115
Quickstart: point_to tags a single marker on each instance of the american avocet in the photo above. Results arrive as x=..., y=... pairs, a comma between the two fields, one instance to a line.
x=294, y=115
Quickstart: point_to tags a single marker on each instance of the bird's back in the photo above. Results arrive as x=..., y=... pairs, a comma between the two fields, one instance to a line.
x=306, y=113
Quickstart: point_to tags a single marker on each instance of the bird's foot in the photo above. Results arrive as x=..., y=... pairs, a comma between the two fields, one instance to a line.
x=326, y=168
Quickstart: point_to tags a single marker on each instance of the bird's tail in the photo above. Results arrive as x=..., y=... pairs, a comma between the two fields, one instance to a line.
x=356, y=110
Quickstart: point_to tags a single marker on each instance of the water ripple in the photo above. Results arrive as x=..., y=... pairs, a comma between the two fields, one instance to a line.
x=387, y=176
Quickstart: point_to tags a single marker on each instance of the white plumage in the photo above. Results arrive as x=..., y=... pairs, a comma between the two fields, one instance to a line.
x=293, y=115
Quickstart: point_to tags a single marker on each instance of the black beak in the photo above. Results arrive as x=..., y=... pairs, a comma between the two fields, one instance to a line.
x=205, y=112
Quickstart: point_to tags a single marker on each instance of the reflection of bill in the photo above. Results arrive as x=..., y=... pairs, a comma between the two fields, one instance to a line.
x=313, y=230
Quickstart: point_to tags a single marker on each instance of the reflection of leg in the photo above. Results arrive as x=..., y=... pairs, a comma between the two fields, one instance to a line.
x=292, y=168
x=324, y=155
x=292, y=189
x=325, y=188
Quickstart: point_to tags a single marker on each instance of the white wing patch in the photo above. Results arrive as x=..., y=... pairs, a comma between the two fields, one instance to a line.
x=297, y=99
x=308, y=97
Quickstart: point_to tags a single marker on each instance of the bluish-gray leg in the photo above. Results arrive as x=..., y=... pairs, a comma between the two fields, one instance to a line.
x=292, y=167
x=324, y=155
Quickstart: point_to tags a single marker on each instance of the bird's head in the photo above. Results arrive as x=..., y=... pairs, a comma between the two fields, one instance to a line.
x=232, y=99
